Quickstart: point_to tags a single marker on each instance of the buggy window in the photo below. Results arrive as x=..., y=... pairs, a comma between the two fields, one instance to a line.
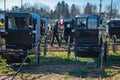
x=92, y=23
x=81, y=20
x=12, y=22
x=81, y=23
x=19, y=22
x=114, y=24
x=24, y=22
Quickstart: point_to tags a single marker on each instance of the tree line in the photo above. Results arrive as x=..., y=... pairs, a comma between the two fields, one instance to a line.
x=64, y=11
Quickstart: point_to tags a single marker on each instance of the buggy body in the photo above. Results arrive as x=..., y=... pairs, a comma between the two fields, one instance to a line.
x=88, y=38
x=22, y=30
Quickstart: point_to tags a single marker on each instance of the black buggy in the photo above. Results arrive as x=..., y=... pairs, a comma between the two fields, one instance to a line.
x=113, y=29
x=22, y=34
x=89, y=38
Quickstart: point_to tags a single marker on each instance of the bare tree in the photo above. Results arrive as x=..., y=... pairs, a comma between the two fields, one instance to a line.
x=114, y=12
x=89, y=9
x=40, y=9
x=74, y=11
x=61, y=10
x=15, y=9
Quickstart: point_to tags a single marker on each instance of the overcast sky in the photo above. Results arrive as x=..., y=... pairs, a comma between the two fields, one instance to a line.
x=52, y=3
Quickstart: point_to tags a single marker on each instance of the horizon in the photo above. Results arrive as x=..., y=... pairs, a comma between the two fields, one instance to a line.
x=53, y=3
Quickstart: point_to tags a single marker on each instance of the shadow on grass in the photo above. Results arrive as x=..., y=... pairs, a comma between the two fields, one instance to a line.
x=57, y=63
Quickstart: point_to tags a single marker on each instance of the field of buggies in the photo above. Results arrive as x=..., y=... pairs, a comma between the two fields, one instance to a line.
x=89, y=50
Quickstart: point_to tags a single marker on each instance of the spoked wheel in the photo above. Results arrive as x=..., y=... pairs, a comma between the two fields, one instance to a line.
x=114, y=43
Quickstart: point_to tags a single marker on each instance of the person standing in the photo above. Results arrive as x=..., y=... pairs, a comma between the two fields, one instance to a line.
x=55, y=34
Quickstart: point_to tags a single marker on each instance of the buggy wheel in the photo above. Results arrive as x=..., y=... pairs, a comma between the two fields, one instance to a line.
x=114, y=43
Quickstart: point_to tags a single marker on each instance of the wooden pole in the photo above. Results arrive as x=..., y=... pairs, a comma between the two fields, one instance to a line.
x=100, y=8
x=4, y=5
x=111, y=9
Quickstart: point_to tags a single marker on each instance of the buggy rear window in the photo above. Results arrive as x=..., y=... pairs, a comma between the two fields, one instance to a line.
x=114, y=24
x=92, y=23
x=19, y=22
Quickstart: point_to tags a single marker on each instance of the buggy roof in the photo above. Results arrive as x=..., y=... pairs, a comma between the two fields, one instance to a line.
x=87, y=16
x=45, y=19
x=33, y=15
x=68, y=20
x=118, y=21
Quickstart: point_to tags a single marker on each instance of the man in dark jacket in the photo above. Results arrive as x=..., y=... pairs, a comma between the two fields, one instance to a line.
x=55, y=34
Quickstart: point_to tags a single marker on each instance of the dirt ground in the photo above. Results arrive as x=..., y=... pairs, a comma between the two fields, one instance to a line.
x=61, y=72
x=56, y=72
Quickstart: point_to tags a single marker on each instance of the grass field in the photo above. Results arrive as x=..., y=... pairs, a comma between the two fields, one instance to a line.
x=55, y=66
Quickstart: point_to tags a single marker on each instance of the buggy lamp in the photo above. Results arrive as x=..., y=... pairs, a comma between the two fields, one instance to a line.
x=6, y=32
x=30, y=33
